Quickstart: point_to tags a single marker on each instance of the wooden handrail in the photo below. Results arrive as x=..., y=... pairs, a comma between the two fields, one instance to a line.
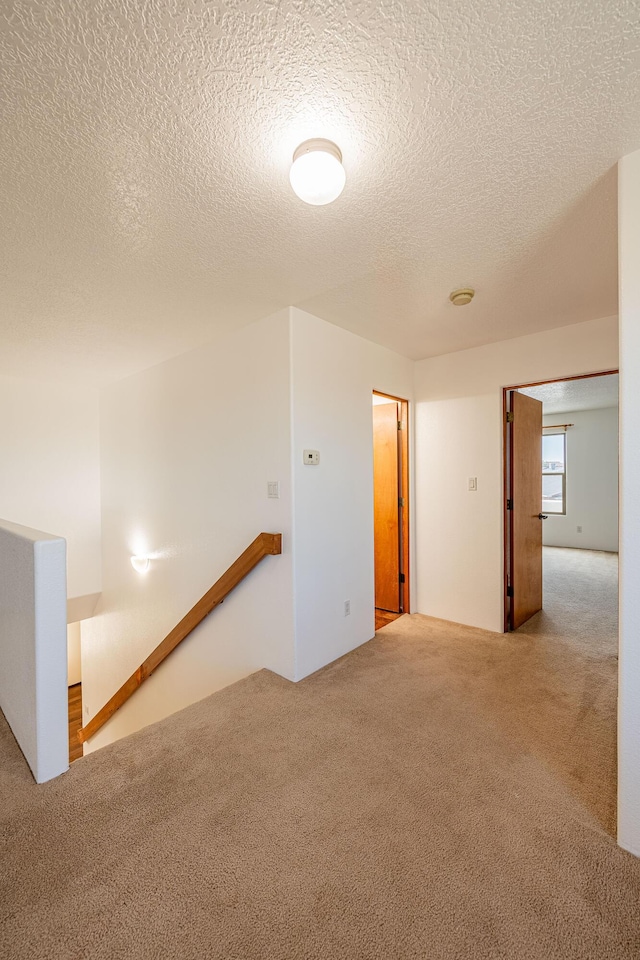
x=265, y=544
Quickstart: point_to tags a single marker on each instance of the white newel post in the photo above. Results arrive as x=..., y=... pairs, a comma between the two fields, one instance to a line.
x=33, y=646
x=629, y=663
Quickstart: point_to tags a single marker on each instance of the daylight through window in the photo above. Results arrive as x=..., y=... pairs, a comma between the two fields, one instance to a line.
x=554, y=487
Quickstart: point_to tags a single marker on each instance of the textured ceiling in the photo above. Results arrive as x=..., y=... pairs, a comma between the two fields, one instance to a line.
x=145, y=149
x=567, y=396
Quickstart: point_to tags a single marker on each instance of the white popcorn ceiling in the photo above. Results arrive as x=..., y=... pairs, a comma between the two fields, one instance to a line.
x=569, y=396
x=145, y=147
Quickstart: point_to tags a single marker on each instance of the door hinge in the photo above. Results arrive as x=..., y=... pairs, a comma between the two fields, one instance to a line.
x=510, y=416
x=400, y=424
x=402, y=578
x=401, y=501
x=509, y=591
x=509, y=504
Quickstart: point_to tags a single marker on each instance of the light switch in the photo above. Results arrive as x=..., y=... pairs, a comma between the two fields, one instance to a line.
x=273, y=489
x=311, y=457
x=473, y=483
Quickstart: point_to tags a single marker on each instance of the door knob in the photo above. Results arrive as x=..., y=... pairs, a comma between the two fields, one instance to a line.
x=542, y=516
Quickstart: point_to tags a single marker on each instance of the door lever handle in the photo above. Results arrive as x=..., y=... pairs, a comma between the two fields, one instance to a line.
x=542, y=516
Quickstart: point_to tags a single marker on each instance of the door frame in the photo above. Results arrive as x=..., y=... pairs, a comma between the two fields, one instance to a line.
x=403, y=487
x=506, y=474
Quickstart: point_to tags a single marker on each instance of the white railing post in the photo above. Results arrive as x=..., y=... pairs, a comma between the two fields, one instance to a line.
x=33, y=646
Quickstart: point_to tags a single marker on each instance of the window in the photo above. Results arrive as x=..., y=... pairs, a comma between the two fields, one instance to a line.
x=554, y=486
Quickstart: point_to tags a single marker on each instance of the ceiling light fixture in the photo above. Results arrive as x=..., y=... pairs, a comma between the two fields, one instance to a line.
x=459, y=298
x=317, y=175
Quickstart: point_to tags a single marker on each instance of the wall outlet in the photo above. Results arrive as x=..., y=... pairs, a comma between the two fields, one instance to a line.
x=273, y=489
x=86, y=710
x=311, y=457
x=579, y=529
x=347, y=608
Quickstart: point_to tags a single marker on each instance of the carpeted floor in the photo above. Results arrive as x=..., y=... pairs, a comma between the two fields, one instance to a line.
x=567, y=662
x=442, y=792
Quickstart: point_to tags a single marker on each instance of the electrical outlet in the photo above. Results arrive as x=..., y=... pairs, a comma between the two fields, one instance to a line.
x=86, y=710
x=347, y=608
x=579, y=529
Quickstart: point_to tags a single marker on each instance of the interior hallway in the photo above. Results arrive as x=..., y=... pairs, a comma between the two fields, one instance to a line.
x=440, y=791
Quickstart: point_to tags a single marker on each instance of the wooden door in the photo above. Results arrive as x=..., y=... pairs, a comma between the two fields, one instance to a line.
x=525, y=454
x=386, y=516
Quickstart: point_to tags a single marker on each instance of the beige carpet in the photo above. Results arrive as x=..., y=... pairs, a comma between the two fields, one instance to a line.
x=439, y=793
x=566, y=659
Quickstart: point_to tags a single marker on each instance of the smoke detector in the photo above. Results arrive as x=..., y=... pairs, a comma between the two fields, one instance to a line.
x=459, y=298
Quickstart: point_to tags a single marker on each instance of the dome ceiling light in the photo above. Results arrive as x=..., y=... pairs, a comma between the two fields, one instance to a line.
x=317, y=175
x=460, y=298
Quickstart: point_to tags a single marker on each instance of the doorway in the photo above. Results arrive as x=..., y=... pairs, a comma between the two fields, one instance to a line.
x=74, y=684
x=390, y=506
x=560, y=483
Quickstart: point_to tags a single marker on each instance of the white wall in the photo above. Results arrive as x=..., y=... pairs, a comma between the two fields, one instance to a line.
x=33, y=646
x=187, y=450
x=50, y=477
x=629, y=653
x=591, y=483
x=334, y=373
x=459, y=435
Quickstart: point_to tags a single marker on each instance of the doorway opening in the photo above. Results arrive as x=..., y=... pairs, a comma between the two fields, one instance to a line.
x=74, y=684
x=561, y=496
x=390, y=506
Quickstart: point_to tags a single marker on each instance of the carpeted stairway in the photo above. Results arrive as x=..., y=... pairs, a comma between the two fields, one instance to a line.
x=442, y=792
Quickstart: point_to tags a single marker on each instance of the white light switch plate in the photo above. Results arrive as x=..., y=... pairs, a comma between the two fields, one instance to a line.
x=273, y=489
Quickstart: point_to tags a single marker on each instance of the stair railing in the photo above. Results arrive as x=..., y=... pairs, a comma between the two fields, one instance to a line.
x=265, y=544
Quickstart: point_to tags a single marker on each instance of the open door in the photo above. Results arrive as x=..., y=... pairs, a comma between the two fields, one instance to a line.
x=524, y=502
x=390, y=506
x=386, y=506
